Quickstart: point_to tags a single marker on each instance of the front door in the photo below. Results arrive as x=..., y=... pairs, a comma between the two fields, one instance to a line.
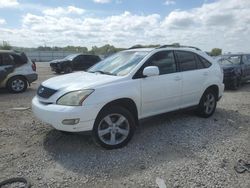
x=161, y=93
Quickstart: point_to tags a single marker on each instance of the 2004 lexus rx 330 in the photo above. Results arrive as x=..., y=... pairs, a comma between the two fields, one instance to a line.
x=113, y=95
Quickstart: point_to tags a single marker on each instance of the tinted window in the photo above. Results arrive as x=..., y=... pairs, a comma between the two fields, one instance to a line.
x=1, y=62
x=200, y=64
x=246, y=59
x=164, y=60
x=17, y=59
x=7, y=59
x=186, y=60
x=94, y=59
x=205, y=63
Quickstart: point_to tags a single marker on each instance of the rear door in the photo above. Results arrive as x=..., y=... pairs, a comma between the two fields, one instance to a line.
x=194, y=75
x=89, y=61
x=161, y=93
x=6, y=65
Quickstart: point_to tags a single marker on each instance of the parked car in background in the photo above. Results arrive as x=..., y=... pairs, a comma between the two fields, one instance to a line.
x=17, y=71
x=236, y=69
x=113, y=95
x=74, y=62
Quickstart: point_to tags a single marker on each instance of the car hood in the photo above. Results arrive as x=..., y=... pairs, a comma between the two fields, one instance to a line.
x=79, y=80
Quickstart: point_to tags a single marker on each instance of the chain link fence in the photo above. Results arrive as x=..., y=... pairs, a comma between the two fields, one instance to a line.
x=45, y=56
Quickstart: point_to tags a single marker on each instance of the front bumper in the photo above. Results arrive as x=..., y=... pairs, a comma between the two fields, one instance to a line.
x=54, y=114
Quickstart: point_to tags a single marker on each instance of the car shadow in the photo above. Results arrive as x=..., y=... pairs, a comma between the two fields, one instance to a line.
x=30, y=90
x=244, y=86
x=163, y=138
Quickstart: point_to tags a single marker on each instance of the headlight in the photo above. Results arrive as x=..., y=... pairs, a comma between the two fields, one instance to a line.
x=74, y=98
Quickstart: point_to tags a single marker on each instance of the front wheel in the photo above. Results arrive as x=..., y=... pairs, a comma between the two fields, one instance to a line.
x=68, y=70
x=207, y=104
x=114, y=127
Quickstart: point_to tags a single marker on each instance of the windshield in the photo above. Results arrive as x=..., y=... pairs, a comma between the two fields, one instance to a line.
x=120, y=63
x=71, y=57
x=235, y=59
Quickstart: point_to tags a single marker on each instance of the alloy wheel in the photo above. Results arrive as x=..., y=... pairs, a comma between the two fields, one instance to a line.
x=113, y=129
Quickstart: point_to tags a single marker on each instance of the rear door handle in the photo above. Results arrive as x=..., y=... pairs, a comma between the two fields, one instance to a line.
x=205, y=73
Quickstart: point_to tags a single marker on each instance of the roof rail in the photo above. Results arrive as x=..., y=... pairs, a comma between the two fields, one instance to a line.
x=177, y=46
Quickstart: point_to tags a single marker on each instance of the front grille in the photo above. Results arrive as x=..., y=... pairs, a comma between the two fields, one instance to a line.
x=45, y=92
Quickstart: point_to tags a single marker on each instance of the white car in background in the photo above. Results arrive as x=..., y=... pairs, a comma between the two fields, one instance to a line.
x=113, y=95
x=17, y=71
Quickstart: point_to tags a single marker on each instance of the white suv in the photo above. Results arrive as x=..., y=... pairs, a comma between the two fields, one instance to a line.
x=113, y=95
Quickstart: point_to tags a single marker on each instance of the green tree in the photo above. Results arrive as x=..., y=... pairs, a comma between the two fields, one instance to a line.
x=216, y=52
x=5, y=46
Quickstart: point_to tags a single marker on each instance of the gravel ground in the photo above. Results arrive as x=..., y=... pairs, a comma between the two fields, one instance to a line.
x=179, y=148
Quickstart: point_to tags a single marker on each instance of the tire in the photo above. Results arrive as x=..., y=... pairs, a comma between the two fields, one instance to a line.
x=67, y=70
x=114, y=127
x=207, y=104
x=58, y=71
x=17, y=84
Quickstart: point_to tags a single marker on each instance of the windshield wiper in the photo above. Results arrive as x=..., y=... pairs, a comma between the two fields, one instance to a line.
x=103, y=72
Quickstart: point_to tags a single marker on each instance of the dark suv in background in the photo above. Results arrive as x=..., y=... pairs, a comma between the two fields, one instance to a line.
x=236, y=69
x=74, y=62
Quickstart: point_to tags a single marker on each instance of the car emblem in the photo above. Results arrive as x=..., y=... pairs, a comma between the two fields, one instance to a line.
x=40, y=90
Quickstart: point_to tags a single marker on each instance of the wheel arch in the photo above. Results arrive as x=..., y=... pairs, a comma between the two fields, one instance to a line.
x=214, y=88
x=126, y=103
x=18, y=75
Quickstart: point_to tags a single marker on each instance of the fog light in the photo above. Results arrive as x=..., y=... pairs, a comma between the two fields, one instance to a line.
x=70, y=121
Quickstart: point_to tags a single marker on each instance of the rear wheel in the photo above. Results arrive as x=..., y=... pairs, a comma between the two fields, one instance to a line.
x=114, y=127
x=207, y=104
x=17, y=84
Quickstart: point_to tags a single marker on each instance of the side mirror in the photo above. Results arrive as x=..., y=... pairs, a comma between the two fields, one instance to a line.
x=151, y=71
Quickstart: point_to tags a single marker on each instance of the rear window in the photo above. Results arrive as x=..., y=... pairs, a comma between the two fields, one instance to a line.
x=186, y=60
x=7, y=59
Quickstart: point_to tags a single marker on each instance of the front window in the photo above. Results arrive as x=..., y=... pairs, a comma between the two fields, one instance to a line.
x=71, y=57
x=120, y=63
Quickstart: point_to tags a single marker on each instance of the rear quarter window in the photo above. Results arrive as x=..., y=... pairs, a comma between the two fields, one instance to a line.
x=205, y=63
x=18, y=59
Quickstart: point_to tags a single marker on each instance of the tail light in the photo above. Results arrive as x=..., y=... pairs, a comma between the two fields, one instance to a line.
x=33, y=66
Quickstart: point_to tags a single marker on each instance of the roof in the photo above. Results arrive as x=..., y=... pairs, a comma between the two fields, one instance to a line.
x=6, y=51
x=141, y=49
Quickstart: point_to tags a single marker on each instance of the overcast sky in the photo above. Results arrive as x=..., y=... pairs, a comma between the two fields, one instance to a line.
x=124, y=23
